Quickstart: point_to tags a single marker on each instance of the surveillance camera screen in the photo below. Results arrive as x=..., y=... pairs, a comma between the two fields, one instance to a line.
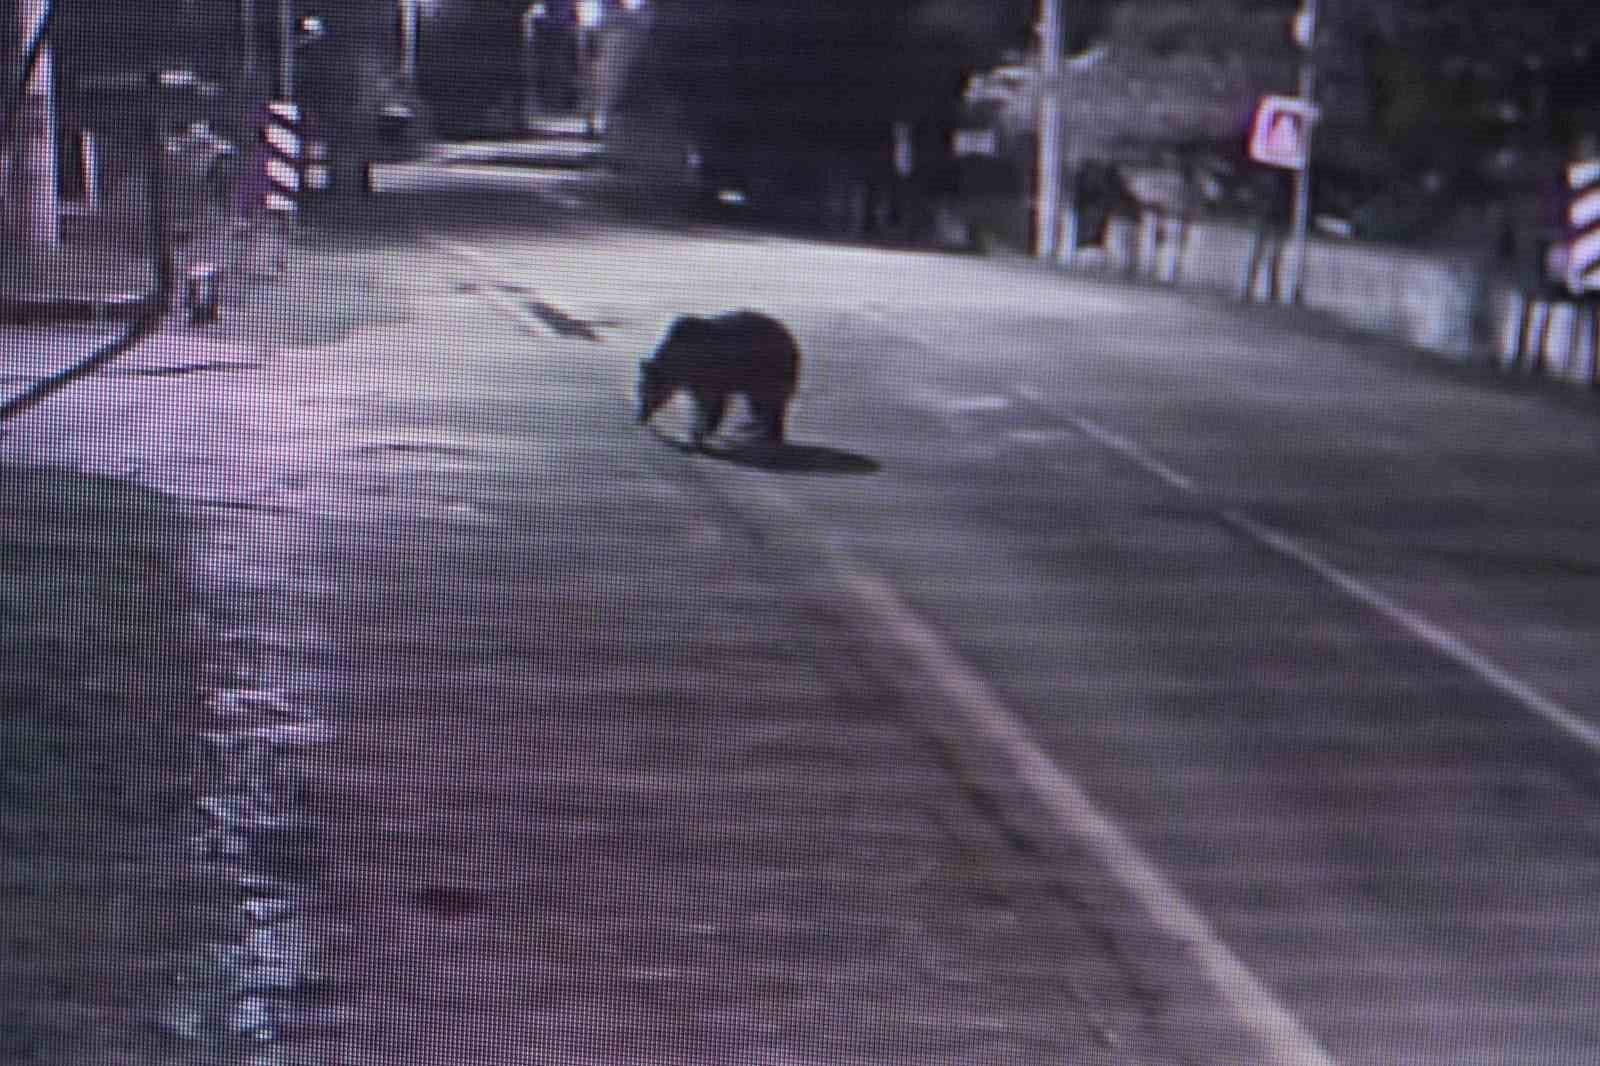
x=799, y=532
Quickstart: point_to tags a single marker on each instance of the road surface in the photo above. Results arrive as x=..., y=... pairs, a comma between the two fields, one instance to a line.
x=1103, y=674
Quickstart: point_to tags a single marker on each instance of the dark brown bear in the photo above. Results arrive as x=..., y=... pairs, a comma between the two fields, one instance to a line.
x=713, y=358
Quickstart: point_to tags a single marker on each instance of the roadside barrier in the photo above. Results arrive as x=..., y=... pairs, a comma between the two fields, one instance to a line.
x=1557, y=338
x=1446, y=303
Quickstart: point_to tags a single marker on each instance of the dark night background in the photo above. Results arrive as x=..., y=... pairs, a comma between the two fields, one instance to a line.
x=1428, y=104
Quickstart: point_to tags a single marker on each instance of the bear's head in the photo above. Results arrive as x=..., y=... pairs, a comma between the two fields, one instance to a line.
x=656, y=383
x=653, y=389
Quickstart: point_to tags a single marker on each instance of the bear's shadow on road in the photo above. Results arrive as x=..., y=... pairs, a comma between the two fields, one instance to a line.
x=786, y=458
x=790, y=458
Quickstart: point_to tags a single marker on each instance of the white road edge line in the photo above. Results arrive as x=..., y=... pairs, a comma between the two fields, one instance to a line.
x=1284, y=1040
x=1430, y=633
x=1435, y=636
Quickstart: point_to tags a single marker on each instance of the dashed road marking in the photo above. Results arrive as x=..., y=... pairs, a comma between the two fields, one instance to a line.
x=514, y=303
x=1128, y=449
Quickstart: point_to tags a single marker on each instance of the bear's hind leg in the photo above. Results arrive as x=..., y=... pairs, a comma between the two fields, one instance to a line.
x=770, y=412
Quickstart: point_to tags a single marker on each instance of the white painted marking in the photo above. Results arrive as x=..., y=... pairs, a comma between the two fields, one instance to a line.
x=1585, y=172
x=283, y=174
x=1283, y=1040
x=431, y=177
x=283, y=141
x=1039, y=437
x=964, y=405
x=1419, y=626
x=1435, y=636
x=504, y=302
x=1585, y=209
x=1129, y=450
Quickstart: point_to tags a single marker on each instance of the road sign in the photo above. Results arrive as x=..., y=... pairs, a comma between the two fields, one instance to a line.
x=1281, y=131
x=1583, y=227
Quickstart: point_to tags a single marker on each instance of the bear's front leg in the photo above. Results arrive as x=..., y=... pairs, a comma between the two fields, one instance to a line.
x=710, y=408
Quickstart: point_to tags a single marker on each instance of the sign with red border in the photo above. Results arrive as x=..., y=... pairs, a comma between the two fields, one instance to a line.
x=1281, y=132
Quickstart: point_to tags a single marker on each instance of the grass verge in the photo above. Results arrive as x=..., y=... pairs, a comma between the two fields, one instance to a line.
x=99, y=679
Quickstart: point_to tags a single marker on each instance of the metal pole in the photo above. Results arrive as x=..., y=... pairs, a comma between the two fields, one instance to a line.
x=408, y=40
x=39, y=213
x=1047, y=181
x=1306, y=35
x=247, y=34
x=159, y=232
x=286, y=49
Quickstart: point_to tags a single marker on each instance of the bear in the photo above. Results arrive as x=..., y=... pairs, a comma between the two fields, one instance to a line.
x=713, y=358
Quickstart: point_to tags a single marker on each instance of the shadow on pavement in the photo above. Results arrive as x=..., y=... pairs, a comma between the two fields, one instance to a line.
x=794, y=458
x=131, y=334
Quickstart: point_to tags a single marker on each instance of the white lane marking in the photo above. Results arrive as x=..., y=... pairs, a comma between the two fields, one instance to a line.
x=963, y=405
x=1430, y=633
x=1129, y=450
x=1419, y=626
x=503, y=302
x=1283, y=1039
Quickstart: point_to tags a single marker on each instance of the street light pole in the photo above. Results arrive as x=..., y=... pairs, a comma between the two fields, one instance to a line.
x=1305, y=34
x=408, y=41
x=1047, y=180
x=39, y=215
x=247, y=38
x=286, y=44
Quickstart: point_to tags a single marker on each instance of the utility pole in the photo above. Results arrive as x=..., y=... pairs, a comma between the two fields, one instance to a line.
x=286, y=45
x=247, y=38
x=1047, y=181
x=38, y=212
x=408, y=41
x=1305, y=35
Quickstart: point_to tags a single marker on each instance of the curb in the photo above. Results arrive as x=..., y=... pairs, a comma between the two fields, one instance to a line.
x=37, y=309
x=136, y=330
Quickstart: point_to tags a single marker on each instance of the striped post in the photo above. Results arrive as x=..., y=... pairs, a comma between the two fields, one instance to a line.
x=1583, y=227
x=1583, y=262
x=319, y=176
x=285, y=150
x=277, y=195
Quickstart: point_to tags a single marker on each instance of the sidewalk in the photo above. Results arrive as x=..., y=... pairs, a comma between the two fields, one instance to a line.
x=104, y=267
x=60, y=309
x=100, y=271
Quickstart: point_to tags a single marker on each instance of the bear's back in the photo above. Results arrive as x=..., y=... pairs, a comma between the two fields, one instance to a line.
x=763, y=341
x=735, y=350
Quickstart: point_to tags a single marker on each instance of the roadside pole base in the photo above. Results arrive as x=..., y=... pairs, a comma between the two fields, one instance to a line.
x=202, y=293
x=264, y=245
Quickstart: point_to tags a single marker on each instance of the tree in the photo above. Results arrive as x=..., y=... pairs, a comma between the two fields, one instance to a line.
x=1159, y=77
x=823, y=72
x=1428, y=106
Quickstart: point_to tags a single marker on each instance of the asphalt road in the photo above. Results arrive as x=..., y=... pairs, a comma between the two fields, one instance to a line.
x=1101, y=675
x=1311, y=618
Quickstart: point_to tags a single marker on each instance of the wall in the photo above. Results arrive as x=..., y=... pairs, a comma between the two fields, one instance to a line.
x=1448, y=304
